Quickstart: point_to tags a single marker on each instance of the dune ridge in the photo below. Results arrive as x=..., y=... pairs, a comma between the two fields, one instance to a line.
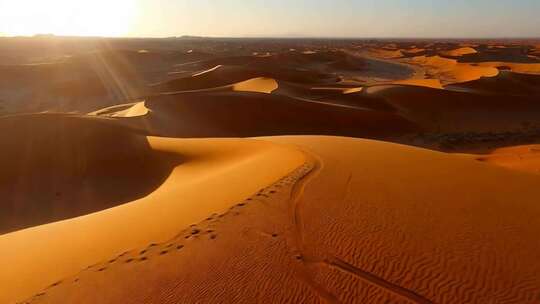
x=207, y=164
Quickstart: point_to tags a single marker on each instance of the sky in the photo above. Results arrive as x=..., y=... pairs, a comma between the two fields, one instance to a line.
x=273, y=18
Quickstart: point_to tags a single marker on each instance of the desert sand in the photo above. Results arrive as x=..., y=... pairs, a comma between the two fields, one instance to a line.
x=269, y=171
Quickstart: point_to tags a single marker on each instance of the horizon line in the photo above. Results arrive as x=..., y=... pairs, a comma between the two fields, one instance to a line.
x=272, y=37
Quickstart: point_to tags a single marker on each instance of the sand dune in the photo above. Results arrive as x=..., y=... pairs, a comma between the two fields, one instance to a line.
x=130, y=173
x=327, y=110
x=124, y=110
x=285, y=242
x=318, y=68
x=386, y=53
x=506, y=83
x=456, y=63
x=55, y=167
x=503, y=54
x=176, y=115
x=452, y=111
x=459, y=52
x=228, y=75
x=257, y=85
x=524, y=68
x=450, y=71
x=204, y=178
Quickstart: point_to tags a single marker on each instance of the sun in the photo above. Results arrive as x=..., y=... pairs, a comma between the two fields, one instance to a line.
x=110, y=18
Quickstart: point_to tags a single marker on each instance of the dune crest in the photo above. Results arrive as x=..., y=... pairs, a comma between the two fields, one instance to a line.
x=451, y=71
x=125, y=110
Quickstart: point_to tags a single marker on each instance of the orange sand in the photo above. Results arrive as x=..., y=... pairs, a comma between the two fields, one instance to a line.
x=328, y=233
x=134, y=171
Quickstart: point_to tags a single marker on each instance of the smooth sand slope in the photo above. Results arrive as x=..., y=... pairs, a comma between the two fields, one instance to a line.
x=59, y=166
x=124, y=110
x=360, y=222
x=443, y=111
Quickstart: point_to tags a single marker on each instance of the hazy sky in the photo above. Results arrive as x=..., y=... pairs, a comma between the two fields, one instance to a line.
x=283, y=18
x=344, y=18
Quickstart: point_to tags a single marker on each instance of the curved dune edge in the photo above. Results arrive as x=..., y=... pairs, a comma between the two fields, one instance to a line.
x=353, y=90
x=436, y=71
x=450, y=71
x=459, y=52
x=135, y=109
x=257, y=85
x=433, y=235
x=207, y=71
x=217, y=174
